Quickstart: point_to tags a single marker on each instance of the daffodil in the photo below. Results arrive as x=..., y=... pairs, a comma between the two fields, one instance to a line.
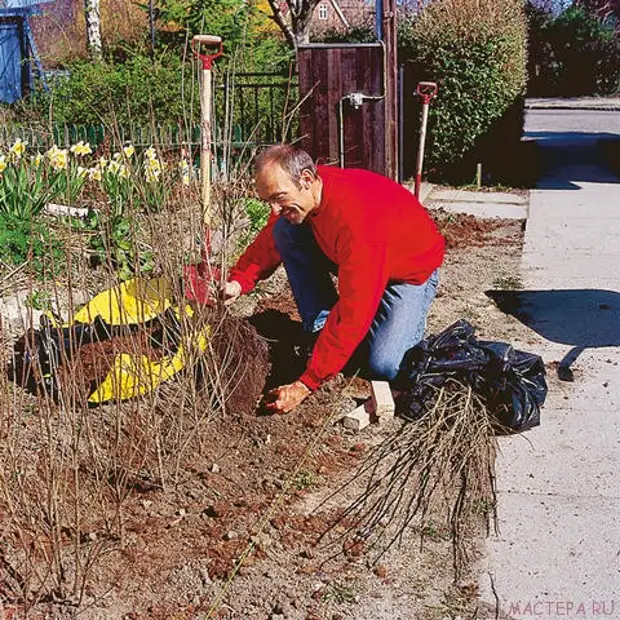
x=81, y=148
x=123, y=172
x=153, y=164
x=51, y=153
x=59, y=159
x=150, y=153
x=152, y=176
x=2, y=163
x=36, y=160
x=82, y=172
x=103, y=162
x=114, y=167
x=129, y=150
x=185, y=179
x=94, y=174
x=18, y=148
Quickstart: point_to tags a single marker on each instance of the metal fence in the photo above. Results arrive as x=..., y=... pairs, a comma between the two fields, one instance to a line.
x=249, y=109
x=258, y=107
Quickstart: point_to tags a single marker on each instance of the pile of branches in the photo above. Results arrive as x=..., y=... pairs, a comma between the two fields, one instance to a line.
x=442, y=464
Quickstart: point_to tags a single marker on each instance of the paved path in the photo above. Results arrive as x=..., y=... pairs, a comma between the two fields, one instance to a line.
x=555, y=124
x=573, y=103
x=558, y=552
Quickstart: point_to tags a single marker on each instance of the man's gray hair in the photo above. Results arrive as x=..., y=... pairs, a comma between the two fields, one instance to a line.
x=290, y=159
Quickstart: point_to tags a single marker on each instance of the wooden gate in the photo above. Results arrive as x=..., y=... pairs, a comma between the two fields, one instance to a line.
x=336, y=128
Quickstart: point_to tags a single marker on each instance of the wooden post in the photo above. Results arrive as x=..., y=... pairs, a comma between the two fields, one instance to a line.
x=205, y=149
x=391, y=89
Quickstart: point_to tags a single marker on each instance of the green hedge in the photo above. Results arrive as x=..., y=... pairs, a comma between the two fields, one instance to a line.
x=138, y=90
x=575, y=53
x=476, y=51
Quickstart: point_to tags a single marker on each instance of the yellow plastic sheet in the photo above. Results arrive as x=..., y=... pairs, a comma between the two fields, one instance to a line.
x=130, y=303
x=135, y=375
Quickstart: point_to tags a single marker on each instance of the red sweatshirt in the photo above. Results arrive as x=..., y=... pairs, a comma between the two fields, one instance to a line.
x=376, y=231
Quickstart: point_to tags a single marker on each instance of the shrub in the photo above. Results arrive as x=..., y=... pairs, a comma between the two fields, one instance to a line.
x=136, y=90
x=571, y=54
x=476, y=51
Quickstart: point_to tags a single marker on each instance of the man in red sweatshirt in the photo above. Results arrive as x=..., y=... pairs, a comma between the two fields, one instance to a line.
x=369, y=230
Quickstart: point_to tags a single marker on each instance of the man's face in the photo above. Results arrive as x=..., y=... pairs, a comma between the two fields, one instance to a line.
x=276, y=187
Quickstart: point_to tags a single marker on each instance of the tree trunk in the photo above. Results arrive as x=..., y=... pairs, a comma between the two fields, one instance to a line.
x=295, y=25
x=92, y=13
x=152, y=26
x=301, y=27
x=279, y=18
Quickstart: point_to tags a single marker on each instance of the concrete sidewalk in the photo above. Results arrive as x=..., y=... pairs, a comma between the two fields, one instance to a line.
x=558, y=551
x=573, y=103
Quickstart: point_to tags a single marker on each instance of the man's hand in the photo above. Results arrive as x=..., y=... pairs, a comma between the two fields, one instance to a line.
x=286, y=397
x=230, y=292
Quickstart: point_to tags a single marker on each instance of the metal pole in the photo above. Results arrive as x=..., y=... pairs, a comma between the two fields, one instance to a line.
x=379, y=19
x=391, y=89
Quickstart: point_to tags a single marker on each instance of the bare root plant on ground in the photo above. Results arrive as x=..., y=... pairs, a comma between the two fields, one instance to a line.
x=71, y=474
x=443, y=463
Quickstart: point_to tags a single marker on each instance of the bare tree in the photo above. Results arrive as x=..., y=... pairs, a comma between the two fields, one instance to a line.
x=92, y=12
x=295, y=25
x=603, y=9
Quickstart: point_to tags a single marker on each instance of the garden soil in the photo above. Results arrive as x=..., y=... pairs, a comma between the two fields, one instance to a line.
x=257, y=495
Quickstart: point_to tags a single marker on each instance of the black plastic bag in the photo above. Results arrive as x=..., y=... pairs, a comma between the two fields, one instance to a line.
x=38, y=354
x=512, y=382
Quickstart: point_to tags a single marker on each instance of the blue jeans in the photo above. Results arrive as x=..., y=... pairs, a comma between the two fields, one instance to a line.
x=399, y=322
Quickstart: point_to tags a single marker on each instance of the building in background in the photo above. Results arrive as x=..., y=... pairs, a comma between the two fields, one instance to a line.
x=340, y=16
x=19, y=57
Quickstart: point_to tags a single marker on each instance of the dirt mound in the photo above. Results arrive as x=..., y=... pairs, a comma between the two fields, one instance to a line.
x=461, y=230
x=76, y=360
x=242, y=359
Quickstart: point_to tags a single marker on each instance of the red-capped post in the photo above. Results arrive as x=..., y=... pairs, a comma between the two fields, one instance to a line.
x=427, y=91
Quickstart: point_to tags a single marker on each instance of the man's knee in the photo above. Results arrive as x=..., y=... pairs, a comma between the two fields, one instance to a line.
x=383, y=365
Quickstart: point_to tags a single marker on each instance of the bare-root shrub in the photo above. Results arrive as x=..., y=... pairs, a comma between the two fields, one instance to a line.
x=70, y=472
x=443, y=464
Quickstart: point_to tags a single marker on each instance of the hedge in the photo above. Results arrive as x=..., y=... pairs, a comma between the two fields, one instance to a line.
x=476, y=51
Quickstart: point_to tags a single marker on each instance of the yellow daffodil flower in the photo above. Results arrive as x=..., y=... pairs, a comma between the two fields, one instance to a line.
x=18, y=148
x=82, y=172
x=60, y=159
x=150, y=153
x=50, y=154
x=129, y=150
x=153, y=164
x=81, y=148
x=94, y=174
x=123, y=172
x=36, y=160
x=2, y=163
x=152, y=176
x=114, y=167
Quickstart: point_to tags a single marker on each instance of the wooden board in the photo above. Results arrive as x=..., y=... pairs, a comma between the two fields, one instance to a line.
x=326, y=74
